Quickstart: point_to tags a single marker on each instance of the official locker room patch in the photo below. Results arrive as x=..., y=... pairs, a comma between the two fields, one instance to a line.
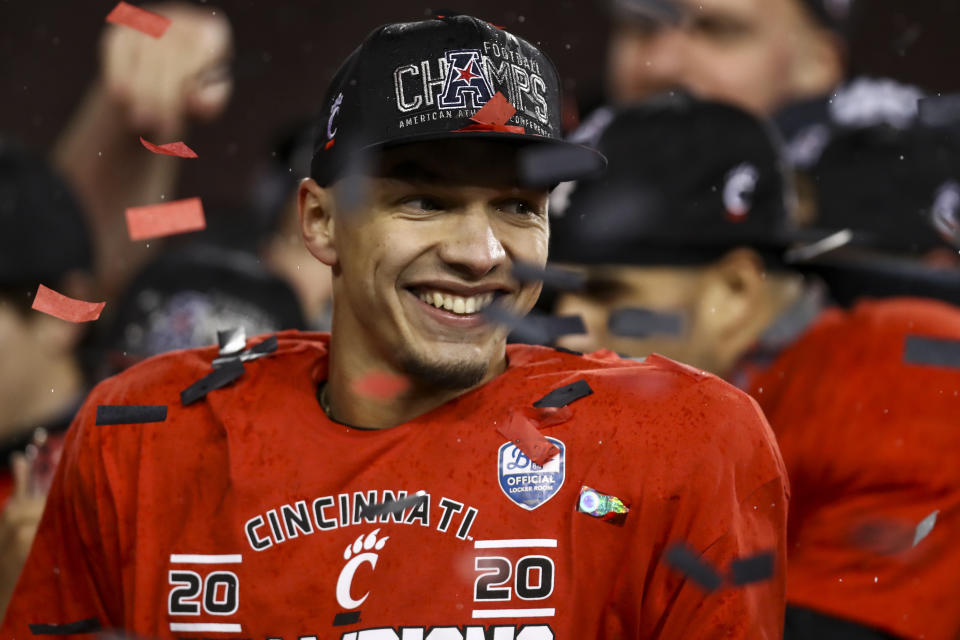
x=525, y=482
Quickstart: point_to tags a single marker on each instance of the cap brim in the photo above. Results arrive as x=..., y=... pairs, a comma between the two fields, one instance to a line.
x=543, y=162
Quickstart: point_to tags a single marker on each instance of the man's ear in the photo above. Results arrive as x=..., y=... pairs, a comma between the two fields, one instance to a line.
x=730, y=304
x=316, y=206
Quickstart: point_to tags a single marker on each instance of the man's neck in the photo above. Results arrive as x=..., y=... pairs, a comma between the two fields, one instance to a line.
x=783, y=293
x=350, y=364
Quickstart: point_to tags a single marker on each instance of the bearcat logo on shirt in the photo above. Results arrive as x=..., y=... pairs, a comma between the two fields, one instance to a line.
x=524, y=481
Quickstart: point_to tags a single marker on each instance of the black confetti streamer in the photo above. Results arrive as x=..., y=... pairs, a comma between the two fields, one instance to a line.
x=534, y=328
x=756, y=568
x=218, y=378
x=346, y=617
x=565, y=395
x=90, y=625
x=266, y=347
x=553, y=277
x=686, y=561
x=934, y=352
x=112, y=414
x=638, y=322
x=389, y=507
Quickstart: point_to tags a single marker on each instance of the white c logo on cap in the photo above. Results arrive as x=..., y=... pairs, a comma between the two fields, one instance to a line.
x=334, y=110
x=738, y=191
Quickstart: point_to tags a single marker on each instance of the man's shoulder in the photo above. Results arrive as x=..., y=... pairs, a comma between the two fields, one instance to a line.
x=655, y=375
x=656, y=387
x=870, y=318
x=164, y=376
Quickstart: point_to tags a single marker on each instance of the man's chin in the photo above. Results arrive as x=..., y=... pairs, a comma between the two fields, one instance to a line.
x=452, y=375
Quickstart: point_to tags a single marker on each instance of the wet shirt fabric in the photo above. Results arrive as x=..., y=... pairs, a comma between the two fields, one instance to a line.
x=871, y=446
x=243, y=515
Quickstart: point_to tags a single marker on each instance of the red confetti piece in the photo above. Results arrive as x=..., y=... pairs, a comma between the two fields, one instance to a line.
x=167, y=219
x=548, y=416
x=60, y=306
x=142, y=20
x=179, y=149
x=497, y=110
x=493, y=116
x=381, y=385
x=521, y=431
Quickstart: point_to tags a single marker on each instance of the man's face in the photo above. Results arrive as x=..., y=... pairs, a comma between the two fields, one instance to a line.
x=432, y=245
x=738, y=51
x=667, y=290
x=24, y=357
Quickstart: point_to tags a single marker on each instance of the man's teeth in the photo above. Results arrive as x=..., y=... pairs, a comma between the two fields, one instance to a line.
x=457, y=304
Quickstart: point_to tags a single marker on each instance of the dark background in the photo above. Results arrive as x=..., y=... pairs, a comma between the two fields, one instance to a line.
x=287, y=52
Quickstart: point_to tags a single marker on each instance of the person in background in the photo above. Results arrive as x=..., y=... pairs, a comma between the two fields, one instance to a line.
x=421, y=238
x=757, y=54
x=145, y=87
x=185, y=297
x=275, y=205
x=700, y=261
x=43, y=240
x=688, y=223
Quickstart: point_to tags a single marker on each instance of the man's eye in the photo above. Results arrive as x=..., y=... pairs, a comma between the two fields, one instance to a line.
x=518, y=207
x=720, y=28
x=421, y=203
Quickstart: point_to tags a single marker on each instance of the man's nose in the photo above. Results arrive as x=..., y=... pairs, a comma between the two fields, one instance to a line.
x=475, y=250
x=663, y=59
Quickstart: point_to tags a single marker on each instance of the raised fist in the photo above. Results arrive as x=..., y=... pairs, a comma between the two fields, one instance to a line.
x=162, y=82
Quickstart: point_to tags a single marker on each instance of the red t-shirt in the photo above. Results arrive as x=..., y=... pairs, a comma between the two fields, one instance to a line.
x=872, y=447
x=238, y=516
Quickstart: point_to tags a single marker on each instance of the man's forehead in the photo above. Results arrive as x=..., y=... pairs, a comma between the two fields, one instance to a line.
x=445, y=162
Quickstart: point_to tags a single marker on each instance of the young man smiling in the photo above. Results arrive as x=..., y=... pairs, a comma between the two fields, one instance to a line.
x=497, y=492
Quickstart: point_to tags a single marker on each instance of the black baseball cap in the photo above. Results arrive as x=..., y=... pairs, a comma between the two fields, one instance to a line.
x=836, y=15
x=181, y=299
x=687, y=181
x=43, y=230
x=896, y=189
x=427, y=80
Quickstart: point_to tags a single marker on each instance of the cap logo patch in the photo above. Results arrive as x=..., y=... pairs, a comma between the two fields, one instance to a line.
x=946, y=211
x=738, y=191
x=466, y=84
x=456, y=84
x=334, y=110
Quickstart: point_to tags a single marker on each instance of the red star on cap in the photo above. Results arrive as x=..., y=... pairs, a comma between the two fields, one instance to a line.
x=466, y=74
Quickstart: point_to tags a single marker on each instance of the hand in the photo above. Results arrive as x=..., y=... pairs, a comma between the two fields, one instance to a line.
x=163, y=82
x=19, y=521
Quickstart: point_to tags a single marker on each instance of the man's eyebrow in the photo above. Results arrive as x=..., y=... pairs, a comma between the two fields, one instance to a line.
x=411, y=171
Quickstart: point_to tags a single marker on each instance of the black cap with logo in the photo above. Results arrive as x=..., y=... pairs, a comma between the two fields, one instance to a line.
x=688, y=181
x=428, y=80
x=43, y=229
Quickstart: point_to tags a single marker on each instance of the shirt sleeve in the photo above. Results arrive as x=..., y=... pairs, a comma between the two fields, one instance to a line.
x=72, y=572
x=733, y=499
